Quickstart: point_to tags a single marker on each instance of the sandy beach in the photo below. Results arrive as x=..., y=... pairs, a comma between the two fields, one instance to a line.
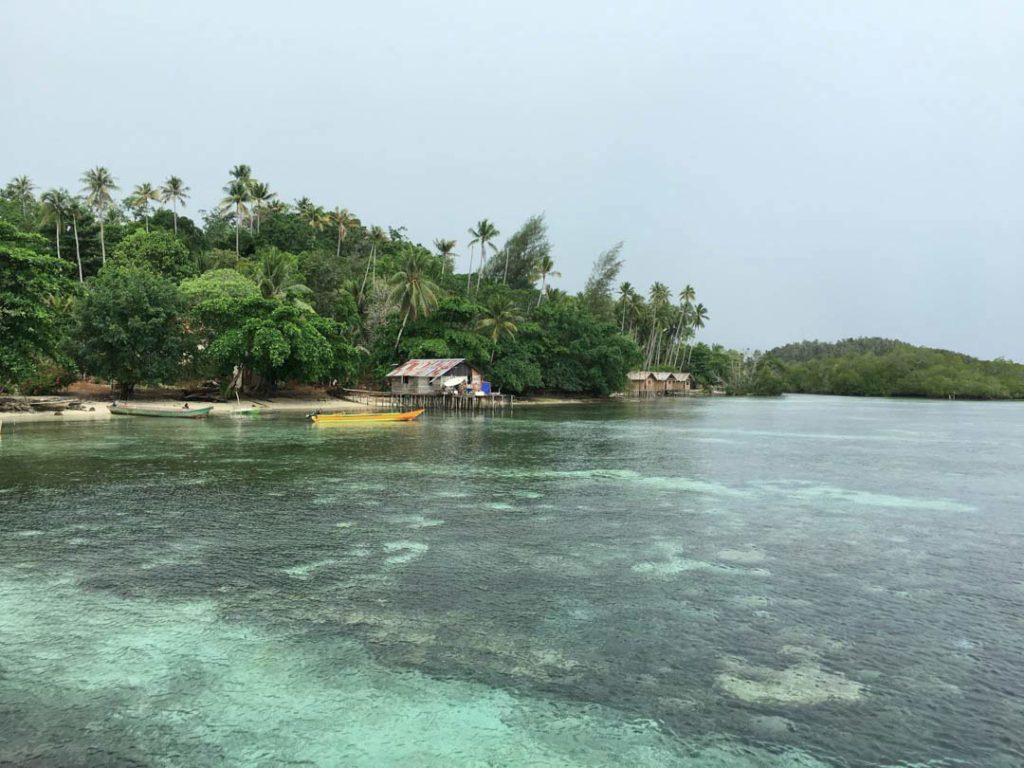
x=95, y=409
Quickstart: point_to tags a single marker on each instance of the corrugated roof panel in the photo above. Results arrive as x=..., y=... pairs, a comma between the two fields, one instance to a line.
x=429, y=368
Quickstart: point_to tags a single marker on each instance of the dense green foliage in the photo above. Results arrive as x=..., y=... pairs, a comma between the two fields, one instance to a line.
x=30, y=319
x=261, y=293
x=130, y=326
x=884, y=368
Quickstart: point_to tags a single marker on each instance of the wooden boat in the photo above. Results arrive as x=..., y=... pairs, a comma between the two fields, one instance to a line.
x=361, y=418
x=162, y=411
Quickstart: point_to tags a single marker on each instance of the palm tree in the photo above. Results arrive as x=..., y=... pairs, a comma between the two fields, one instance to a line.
x=174, y=191
x=344, y=221
x=141, y=197
x=55, y=207
x=237, y=196
x=20, y=188
x=75, y=211
x=660, y=299
x=261, y=198
x=627, y=297
x=278, y=278
x=445, y=250
x=484, y=235
x=502, y=319
x=413, y=290
x=99, y=184
x=697, y=320
x=377, y=237
x=242, y=173
x=545, y=269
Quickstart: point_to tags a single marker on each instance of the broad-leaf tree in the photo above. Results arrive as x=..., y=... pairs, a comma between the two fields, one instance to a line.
x=130, y=327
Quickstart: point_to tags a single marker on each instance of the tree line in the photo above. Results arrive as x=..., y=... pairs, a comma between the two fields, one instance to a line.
x=260, y=292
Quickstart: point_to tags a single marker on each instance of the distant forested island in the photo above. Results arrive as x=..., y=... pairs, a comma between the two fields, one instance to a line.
x=884, y=368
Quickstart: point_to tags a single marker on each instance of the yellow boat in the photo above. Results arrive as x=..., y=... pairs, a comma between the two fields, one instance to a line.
x=344, y=418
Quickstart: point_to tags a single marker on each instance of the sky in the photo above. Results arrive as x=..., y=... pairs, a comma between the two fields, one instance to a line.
x=817, y=170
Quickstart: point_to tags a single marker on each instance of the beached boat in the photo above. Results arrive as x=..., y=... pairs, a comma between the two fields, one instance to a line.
x=359, y=418
x=162, y=411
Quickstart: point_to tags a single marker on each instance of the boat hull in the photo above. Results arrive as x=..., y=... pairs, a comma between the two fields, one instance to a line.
x=166, y=413
x=364, y=418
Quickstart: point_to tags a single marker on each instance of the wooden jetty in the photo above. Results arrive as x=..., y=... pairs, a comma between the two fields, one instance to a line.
x=460, y=403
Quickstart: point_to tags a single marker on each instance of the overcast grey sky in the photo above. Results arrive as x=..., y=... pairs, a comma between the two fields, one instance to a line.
x=816, y=169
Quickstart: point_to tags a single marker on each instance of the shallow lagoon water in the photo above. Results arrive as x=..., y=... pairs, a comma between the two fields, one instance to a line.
x=796, y=582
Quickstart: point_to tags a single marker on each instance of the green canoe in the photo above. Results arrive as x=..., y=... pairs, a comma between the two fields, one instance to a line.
x=164, y=412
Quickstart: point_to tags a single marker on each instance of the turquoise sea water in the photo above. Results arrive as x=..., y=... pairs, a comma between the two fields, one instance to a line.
x=795, y=582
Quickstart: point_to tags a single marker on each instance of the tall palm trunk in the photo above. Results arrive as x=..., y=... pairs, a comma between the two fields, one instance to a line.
x=57, y=228
x=469, y=275
x=337, y=255
x=238, y=227
x=504, y=279
x=480, y=271
x=543, y=287
x=174, y=207
x=78, y=249
x=402, y=329
x=103, y=242
x=373, y=256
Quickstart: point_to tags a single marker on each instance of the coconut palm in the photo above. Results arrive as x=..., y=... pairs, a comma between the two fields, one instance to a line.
x=278, y=278
x=242, y=173
x=660, y=298
x=484, y=236
x=20, y=188
x=344, y=221
x=141, y=197
x=99, y=184
x=174, y=192
x=445, y=250
x=261, y=197
x=75, y=211
x=236, y=199
x=545, y=269
x=55, y=210
x=377, y=238
x=627, y=299
x=413, y=290
x=502, y=319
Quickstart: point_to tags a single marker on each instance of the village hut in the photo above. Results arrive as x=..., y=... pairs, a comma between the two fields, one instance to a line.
x=433, y=376
x=679, y=383
x=657, y=383
x=641, y=384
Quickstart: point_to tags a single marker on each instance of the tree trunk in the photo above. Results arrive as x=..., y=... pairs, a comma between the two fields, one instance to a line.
x=543, y=287
x=145, y=215
x=238, y=227
x=483, y=260
x=57, y=227
x=174, y=206
x=469, y=275
x=126, y=389
x=504, y=280
x=103, y=244
x=401, y=330
x=78, y=250
x=338, y=254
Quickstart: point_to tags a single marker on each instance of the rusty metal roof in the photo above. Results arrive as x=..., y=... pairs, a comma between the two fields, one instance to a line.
x=428, y=368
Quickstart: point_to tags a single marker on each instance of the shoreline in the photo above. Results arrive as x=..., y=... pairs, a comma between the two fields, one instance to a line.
x=96, y=410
